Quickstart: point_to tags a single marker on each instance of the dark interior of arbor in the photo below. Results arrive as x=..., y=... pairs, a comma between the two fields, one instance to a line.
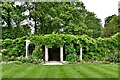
x=31, y=47
x=54, y=53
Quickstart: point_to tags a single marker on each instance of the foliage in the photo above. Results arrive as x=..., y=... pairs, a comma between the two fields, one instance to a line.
x=72, y=56
x=7, y=13
x=113, y=57
x=6, y=43
x=93, y=49
x=65, y=17
x=14, y=47
x=11, y=21
x=48, y=17
x=30, y=59
x=112, y=26
x=21, y=59
x=37, y=53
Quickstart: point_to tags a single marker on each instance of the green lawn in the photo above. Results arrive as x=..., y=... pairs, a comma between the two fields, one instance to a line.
x=63, y=71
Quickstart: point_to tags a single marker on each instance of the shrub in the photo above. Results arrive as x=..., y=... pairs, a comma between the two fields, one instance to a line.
x=37, y=52
x=113, y=57
x=14, y=47
x=71, y=58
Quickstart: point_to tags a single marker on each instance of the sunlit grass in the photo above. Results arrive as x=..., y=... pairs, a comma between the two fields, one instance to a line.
x=61, y=71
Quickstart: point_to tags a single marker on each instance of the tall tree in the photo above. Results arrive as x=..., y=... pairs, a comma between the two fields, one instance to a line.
x=48, y=17
x=112, y=26
x=65, y=17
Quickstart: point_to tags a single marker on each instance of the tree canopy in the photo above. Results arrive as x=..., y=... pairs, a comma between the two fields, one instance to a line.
x=48, y=17
x=112, y=26
x=11, y=21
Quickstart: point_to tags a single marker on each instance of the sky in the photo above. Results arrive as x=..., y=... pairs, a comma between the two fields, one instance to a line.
x=102, y=8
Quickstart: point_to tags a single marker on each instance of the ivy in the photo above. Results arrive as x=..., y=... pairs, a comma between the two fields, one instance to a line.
x=96, y=49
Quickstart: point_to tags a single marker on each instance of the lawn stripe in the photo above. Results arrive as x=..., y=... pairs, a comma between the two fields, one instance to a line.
x=78, y=73
x=90, y=71
x=64, y=71
x=103, y=71
x=110, y=66
x=98, y=70
x=87, y=70
x=28, y=73
x=39, y=72
x=49, y=71
x=6, y=72
x=6, y=68
x=20, y=71
x=23, y=72
x=58, y=72
x=11, y=70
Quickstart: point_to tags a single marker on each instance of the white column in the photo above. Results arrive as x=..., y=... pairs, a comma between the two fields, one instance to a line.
x=81, y=54
x=26, y=51
x=46, y=53
x=27, y=45
x=61, y=53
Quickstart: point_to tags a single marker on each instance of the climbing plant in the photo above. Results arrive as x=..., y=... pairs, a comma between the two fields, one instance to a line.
x=14, y=47
x=93, y=49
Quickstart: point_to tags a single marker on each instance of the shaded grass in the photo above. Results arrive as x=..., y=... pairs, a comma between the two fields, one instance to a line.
x=61, y=71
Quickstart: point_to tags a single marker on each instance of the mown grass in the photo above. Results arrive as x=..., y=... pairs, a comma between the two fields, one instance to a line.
x=61, y=71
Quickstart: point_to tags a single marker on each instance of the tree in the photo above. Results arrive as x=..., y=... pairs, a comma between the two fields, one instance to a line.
x=65, y=17
x=7, y=9
x=112, y=26
x=11, y=19
x=49, y=17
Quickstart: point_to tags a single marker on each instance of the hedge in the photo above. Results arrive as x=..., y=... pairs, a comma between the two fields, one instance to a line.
x=101, y=49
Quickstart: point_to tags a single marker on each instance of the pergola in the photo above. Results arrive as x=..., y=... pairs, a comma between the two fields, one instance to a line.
x=46, y=52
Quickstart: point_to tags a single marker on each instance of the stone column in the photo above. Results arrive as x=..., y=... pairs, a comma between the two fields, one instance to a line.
x=81, y=54
x=46, y=54
x=27, y=45
x=61, y=53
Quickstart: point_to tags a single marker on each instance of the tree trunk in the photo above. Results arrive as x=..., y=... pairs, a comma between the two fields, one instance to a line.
x=8, y=21
x=35, y=26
